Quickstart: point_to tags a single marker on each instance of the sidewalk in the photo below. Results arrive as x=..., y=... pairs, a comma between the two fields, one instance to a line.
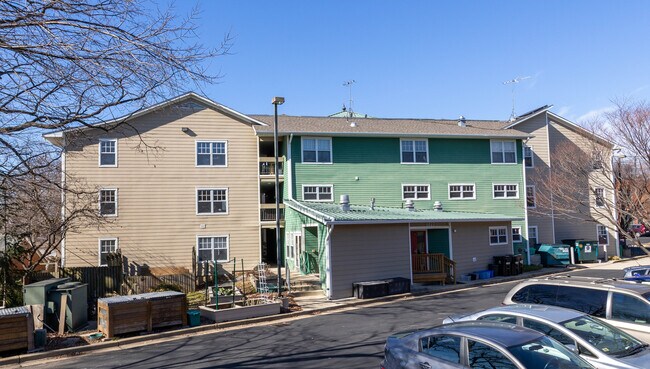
x=311, y=305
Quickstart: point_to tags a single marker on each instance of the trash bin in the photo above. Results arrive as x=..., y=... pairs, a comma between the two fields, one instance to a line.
x=193, y=318
x=398, y=285
x=586, y=251
x=368, y=290
x=554, y=254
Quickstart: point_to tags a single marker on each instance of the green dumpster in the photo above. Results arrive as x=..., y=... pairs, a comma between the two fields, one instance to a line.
x=554, y=254
x=586, y=251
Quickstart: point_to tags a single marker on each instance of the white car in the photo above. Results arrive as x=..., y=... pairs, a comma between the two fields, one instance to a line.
x=603, y=346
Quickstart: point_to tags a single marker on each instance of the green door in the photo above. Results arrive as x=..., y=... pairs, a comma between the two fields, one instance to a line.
x=439, y=241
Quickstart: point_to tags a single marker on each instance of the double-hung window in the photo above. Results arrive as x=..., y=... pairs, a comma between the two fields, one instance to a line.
x=531, y=200
x=516, y=234
x=414, y=151
x=528, y=157
x=317, y=150
x=212, y=201
x=212, y=248
x=603, y=236
x=317, y=192
x=108, y=202
x=505, y=191
x=600, y=197
x=461, y=192
x=415, y=192
x=211, y=153
x=503, y=151
x=498, y=235
x=106, y=246
x=108, y=152
x=532, y=235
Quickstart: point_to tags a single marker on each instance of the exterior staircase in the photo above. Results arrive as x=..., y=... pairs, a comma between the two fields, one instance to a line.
x=306, y=285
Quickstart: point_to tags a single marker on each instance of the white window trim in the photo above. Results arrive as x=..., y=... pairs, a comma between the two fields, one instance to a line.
x=302, y=150
x=99, y=153
x=213, y=236
x=596, y=197
x=505, y=191
x=421, y=184
x=598, y=233
x=196, y=154
x=317, y=185
x=490, y=236
x=426, y=141
x=515, y=152
x=99, y=248
x=532, y=156
x=292, y=245
x=521, y=236
x=460, y=198
x=534, y=197
x=99, y=202
x=196, y=201
x=536, y=233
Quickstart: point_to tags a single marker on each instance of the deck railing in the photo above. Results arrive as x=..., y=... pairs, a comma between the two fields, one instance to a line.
x=434, y=263
x=267, y=212
x=267, y=166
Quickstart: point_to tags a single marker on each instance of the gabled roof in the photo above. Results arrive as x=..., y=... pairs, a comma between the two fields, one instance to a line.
x=334, y=126
x=54, y=137
x=330, y=213
x=348, y=114
x=528, y=115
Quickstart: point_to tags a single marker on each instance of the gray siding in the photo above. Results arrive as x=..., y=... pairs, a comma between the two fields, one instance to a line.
x=472, y=240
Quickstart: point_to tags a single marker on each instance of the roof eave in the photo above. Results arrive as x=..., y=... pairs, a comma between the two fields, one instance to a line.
x=379, y=134
x=586, y=132
x=528, y=117
x=406, y=221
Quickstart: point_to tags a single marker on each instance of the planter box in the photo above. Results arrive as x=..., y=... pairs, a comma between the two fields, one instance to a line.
x=368, y=290
x=398, y=285
x=16, y=329
x=227, y=312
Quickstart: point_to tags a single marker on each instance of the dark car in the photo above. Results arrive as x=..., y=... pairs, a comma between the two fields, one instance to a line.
x=640, y=273
x=478, y=345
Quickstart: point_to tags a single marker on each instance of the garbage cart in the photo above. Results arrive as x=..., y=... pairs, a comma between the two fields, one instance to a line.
x=554, y=254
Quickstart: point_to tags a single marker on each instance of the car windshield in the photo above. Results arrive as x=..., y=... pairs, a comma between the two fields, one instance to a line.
x=610, y=340
x=545, y=353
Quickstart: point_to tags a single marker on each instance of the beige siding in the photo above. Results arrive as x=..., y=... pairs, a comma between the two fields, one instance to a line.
x=156, y=178
x=368, y=252
x=472, y=240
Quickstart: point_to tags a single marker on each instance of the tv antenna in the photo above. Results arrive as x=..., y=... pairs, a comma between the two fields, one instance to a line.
x=349, y=84
x=514, y=82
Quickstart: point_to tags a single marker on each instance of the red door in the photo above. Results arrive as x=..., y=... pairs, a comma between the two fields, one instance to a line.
x=419, y=242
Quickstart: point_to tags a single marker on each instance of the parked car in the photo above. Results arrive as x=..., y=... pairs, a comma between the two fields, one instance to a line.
x=478, y=345
x=637, y=273
x=602, y=345
x=623, y=304
x=638, y=230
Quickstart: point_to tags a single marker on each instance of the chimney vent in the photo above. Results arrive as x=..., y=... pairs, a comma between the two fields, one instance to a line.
x=437, y=206
x=345, y=202
x=410, y=206
x=461, y=121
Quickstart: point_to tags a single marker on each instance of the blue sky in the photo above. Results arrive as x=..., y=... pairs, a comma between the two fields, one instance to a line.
x=428, y=59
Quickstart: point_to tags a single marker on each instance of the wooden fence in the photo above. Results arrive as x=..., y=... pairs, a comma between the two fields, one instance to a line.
x=144, y=283
x=102, y=281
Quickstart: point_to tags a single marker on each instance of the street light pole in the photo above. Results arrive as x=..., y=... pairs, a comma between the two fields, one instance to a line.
x=277, y=101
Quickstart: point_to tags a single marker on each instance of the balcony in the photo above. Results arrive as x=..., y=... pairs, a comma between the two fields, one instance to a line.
x=267, y=214
x=267, y=167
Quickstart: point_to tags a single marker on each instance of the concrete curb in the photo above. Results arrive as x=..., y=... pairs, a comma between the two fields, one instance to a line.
x=129, y=341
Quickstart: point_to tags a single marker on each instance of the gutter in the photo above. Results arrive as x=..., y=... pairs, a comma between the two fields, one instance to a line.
x=395, y=135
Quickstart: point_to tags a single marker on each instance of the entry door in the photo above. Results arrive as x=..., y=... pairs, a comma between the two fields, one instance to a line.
x=439, y=241
x=419, y=242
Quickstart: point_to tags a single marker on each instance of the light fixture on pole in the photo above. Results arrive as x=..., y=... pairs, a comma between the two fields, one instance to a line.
x=277, y=101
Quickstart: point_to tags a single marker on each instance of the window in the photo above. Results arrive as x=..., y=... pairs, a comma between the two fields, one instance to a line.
x=505, y=191
x=106, y=246
x=212, y=201
x=587, y=300
x=597, y=160
x=542, y=294
x=531, y=200
x=415, y=192
x=317, y=192
x=532, y=236
x=528, y=157
x=108, y=202
x=211, y=154
x=603, y=235
x=482, y=356
x=213, y=248
x=108, y=153
x=442, y=347
x=414, y=151
x=317, y=150
x=630, y=309
x=294, y=242
x=600, y=197
x=461, y=192
x=498, y=235
x=549, y=331
x=503, y=152
x=516, y=234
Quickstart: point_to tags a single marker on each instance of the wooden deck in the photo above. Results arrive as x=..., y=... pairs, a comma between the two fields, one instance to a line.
x=428, y=268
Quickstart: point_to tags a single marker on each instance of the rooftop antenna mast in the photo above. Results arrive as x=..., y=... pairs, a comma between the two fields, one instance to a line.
x=514, y=82
x=349, y=85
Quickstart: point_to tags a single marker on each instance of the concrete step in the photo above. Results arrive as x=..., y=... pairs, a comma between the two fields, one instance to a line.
x=306, y=287
x=307, y=293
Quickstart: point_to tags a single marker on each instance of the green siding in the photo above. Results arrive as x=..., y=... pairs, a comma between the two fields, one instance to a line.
x=294, y=222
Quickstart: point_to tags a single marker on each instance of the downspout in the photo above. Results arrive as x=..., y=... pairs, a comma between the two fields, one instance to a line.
x=613, y=180
x=525, y=202
x=328, y=261
x=550, y=175
x=63, y=199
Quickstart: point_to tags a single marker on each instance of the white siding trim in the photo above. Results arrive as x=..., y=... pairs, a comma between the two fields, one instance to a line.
x=328, y=261
x=613, y=181
x=550, y=164
x=525, y=179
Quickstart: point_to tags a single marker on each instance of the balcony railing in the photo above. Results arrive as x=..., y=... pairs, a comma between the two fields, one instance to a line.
x=267, y=166
x=267, y=213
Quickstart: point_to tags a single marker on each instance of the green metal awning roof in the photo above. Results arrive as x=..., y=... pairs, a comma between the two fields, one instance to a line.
x=330, y=213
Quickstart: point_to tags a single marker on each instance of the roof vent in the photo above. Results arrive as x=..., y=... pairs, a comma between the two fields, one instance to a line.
x=353, y=124
x=345, y=202
x=372, y=203
x=437, y=206
x=461, y=121
x=410, y=206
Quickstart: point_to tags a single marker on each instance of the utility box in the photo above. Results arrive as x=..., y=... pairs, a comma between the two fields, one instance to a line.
x=36, y=293
x=554, y=254
x=76, y=310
